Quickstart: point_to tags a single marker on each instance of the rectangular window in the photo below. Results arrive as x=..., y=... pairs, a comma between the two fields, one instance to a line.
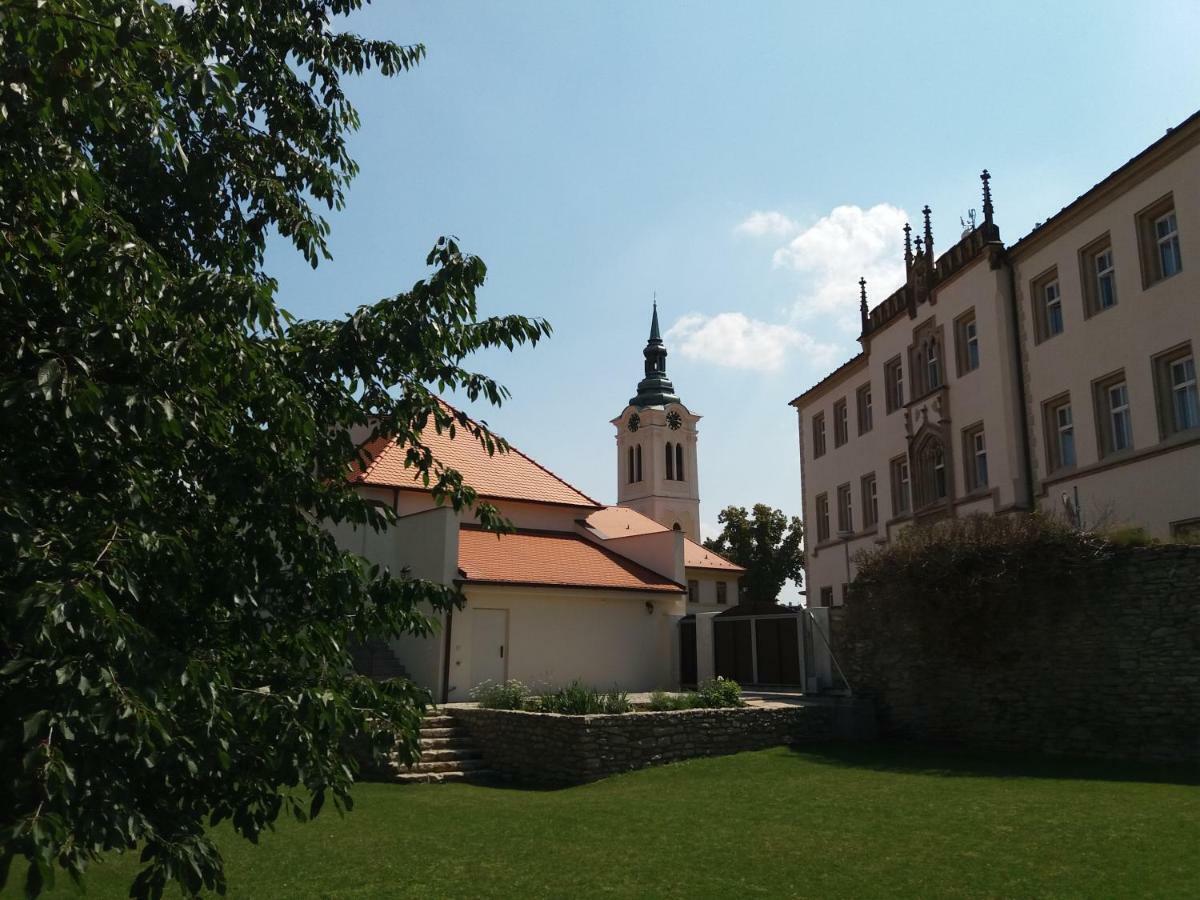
x=975, y=470
x=845, y=592
x=693, y=591
x=865, y=419
x=1047, y=307
x=901, y=497
x=966, y=339
x=826, y=597
x=722, y=592
x=933, y=367
x=845, y=515
x=822, y=517
x=1113, y=418
x=1060, y=433
x=1175, y=387
x=818, y=427
x=1098, y=276
x=893, y=384
x=1158, y=241
x=841, y=423
x=870, y=501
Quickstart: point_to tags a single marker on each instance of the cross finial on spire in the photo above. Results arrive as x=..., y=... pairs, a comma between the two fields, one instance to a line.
x=655, y=334
x=986, y=178
x=917, y=244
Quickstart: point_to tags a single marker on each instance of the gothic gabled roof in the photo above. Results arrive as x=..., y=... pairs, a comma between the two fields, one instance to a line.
x=502, y=476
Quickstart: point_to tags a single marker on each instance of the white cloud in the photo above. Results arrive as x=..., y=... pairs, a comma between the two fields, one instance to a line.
x=838, y=249
x=760, y=223
x=736, y=341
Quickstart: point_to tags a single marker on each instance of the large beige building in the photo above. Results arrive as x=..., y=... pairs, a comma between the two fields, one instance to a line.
x=1057, y=373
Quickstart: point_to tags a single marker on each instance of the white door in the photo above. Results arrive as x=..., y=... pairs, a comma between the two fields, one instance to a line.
x=489, y=646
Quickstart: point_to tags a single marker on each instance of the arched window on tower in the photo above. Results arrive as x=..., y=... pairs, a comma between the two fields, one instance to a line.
x=632, y=471
x=638, y=458
x=679, y=462
x=670, y=462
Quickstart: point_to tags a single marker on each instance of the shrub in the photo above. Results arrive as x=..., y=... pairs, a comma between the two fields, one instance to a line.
x=715, y=693
x=719, y=692
x=577, y=699
x=661, y=701
x=511, y=694
x=1129, y=536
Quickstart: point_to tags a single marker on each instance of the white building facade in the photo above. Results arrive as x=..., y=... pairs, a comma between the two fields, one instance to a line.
x=1057, y=373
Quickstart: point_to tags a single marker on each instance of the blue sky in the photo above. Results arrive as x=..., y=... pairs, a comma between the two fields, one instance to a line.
x=745, y=161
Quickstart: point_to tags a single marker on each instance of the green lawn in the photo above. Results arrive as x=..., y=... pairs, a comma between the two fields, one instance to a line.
x=844, y=822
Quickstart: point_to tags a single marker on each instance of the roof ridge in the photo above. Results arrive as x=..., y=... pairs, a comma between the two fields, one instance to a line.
x=520, y=452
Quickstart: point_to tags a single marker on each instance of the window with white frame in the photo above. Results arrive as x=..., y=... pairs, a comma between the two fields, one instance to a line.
x=893, y=384
x=822, y=517
x=722, y=592
x=1052, y=308
x=1113, y=415
x=1166, y=239
x=870, y=501
x=966, y=340
x=1106, y=279
x=845, y=512
x=1158, y=241
x=1184, y=403
x=1175, y=387
x=1060, y=433
x=865, y=416
x=975, y=458
x=841, y=423
x=693, y=591
x=818, y=427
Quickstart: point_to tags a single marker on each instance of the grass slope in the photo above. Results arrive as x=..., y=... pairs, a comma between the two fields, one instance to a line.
x=849, y=821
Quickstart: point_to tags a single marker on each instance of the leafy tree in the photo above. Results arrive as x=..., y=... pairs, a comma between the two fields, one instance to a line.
x=766, y=543
x=174, y=619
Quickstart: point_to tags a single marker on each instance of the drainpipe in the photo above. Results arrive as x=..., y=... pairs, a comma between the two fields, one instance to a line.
x=1015, y=322
x=446, y=656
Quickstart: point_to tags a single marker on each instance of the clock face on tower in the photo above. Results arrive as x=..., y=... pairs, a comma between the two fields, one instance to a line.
x=674, y=420
x=634, y=421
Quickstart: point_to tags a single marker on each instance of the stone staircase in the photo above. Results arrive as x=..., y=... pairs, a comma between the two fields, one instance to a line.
x=447, y=754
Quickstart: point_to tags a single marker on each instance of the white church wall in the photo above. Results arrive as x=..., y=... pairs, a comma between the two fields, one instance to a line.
x=604, y=638
x=658, y=551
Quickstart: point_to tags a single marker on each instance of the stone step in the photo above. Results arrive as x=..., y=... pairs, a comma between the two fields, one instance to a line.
x=440, y=733
x=437, y=721
x=450, y=765
x=446, y=753
x=444, y=743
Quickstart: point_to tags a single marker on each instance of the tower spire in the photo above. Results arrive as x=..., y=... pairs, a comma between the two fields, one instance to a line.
x=908, y=253
x=656, y=388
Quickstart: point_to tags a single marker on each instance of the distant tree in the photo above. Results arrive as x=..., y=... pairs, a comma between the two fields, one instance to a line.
x=766, y=543
x=174, y=616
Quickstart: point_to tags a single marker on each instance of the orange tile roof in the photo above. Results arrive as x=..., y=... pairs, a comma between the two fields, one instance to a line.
x=503, y=476
x=551, y=559
x=620, y=521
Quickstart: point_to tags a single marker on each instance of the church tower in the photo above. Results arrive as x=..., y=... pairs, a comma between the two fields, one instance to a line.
x=656, y=448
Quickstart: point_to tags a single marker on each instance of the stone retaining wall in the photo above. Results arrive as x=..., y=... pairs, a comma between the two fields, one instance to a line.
x=1109, y=668
x=554, y=749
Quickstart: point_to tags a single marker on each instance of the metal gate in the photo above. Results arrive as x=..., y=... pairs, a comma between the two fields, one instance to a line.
x=760, y=650
x=687, y=652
